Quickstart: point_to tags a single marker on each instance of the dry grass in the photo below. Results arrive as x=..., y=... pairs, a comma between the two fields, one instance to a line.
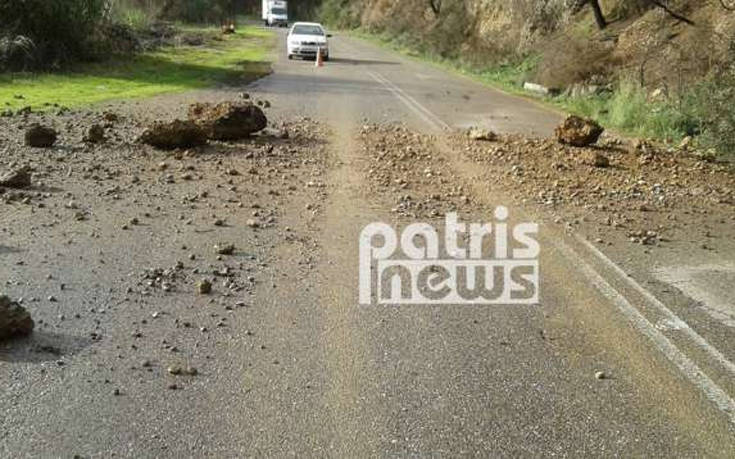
x=570, y=59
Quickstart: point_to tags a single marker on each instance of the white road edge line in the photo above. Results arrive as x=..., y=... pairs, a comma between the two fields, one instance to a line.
x=410, y=102
x=711, y=390
x=655, y=302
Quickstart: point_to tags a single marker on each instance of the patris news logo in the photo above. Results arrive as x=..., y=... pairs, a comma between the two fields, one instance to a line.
x=477, y=263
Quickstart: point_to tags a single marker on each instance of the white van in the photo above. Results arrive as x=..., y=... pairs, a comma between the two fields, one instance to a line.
x=275, y=13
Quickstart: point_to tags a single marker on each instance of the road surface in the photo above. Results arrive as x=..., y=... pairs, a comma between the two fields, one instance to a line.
x=292, y=365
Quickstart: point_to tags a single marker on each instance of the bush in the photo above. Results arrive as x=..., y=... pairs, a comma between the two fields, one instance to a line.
x=134, y=14
x=712, y=103
x=60, y=31
x=344, y=14
x=201, y=11
x=571, y=59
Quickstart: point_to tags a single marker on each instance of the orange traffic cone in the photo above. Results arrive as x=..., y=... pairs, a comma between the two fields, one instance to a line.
x=319, y=58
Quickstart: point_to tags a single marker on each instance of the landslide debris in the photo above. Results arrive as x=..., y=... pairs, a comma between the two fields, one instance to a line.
x=15, y=321
x=40, y=136
x=16, y=178
x=642, y=192
x=95, y=134
x=228, y=120
x=407, y=167
x=479, y=134
x=174, y=135
x=578, y=132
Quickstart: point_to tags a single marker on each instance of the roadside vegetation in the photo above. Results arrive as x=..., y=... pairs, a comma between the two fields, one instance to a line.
x=644, y=70
x=229, y=59
x=78, y=52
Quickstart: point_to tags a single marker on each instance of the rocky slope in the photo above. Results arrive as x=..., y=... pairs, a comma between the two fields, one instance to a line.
x=641, y=40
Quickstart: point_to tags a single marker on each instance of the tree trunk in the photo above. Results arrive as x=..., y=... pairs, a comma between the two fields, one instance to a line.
x=599, y=17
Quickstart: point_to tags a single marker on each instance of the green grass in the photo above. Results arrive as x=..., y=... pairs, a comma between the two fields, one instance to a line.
x=233, y=59
x=629, y=110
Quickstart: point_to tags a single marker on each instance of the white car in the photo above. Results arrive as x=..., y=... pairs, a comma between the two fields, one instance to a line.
x=305, y=38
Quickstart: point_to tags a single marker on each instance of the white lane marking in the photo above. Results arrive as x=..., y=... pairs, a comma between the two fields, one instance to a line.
x=669, y=316
x=697, y=283
x=692, y=372
x=423, y=112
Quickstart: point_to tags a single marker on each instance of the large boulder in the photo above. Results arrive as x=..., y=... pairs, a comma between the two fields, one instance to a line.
x=228, y=120
x=17, y=178
x=579, y=132
x=15, y=321
x=173, y=135
x=39, y=136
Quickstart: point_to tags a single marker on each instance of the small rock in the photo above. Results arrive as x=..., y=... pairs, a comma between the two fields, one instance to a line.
x=174, y=370
x=596, y=159
x=224, y=249
x=479, y=134
x=15, y=321
x=17, y=178
x=204, y=287
x=39, y=136
x=95, y=134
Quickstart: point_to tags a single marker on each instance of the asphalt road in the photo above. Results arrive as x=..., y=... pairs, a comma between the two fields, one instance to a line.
x=320, y=375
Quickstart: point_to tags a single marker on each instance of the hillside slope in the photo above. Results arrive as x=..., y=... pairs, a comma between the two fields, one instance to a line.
x=640, y=37
x=660, y=69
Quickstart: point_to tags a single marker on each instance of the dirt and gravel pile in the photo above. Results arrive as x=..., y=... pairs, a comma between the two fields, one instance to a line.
x=111, y=240
x=225, y=121
x=646, y=193
x=632, y=192
x=405, y=164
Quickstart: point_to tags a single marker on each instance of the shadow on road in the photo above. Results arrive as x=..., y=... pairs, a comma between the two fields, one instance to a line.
x=41, y=346
x=348, y=61
x=4, y=249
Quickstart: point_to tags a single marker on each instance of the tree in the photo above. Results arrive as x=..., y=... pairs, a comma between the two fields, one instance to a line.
x=436, y=6
x=602, y=22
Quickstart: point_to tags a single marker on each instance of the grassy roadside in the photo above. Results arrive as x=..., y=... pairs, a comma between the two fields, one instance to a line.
x=627, y=109
x=237, y=58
